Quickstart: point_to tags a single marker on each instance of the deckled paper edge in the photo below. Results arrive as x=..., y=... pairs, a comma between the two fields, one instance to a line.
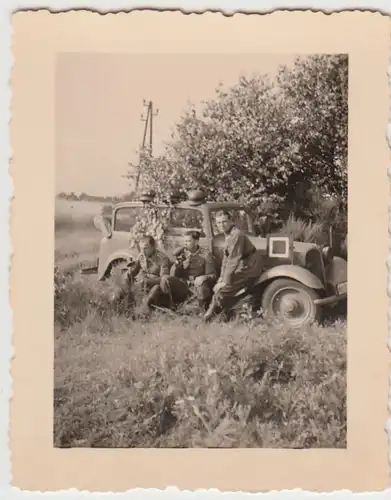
x=6, y=251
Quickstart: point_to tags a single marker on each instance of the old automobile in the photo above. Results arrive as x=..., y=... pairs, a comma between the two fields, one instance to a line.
x=298, y=281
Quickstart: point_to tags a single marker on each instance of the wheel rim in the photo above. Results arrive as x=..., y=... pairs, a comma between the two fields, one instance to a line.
x=292, y=306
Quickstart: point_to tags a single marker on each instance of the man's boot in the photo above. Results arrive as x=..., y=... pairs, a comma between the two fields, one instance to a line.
x=212, y=309
x=150, y=299
x=203, y=305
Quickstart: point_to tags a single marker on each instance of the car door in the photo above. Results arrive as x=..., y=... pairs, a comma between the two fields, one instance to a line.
x=124, y=219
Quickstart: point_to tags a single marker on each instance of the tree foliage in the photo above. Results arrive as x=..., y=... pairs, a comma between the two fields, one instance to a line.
x=156, y=178
x=277, y=144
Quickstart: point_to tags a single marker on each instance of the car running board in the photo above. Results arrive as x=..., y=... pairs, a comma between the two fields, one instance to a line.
x=89, y=270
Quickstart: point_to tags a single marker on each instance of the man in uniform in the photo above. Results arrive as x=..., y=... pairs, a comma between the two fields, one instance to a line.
x=242, y=264
x=195, y=266
x=151, y=276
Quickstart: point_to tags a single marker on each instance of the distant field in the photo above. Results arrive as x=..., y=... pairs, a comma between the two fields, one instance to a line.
x=74, y=215
x=79, y=207
x=175, y=382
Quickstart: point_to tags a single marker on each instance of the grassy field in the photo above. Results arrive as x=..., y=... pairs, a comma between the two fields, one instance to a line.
x=174, y=382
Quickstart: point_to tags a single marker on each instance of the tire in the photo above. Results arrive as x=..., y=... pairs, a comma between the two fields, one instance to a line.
x=299, y=295
x=116, y=266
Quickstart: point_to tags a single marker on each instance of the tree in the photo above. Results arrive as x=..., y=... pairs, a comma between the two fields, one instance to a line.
x=316, y=90
x=266, y=142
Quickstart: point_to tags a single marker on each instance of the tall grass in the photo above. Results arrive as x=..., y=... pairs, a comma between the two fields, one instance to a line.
x=172, y=382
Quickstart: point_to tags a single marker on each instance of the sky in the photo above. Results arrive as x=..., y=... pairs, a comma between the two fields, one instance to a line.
x=99, y=103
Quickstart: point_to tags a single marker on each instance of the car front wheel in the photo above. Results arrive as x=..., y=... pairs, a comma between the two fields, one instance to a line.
x=117, y=268
x=290, y=302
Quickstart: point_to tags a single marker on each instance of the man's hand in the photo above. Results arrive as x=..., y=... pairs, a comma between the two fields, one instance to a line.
x=165, y=283
x=139, y=279
x=199, y=280
x=218, y=286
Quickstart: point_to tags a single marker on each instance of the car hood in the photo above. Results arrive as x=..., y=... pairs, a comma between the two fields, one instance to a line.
x=298, y=246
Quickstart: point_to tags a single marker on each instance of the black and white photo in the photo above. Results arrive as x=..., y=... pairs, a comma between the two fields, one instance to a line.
x=201, y=250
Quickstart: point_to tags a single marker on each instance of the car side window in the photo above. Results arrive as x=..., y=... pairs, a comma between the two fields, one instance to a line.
x=125, y=218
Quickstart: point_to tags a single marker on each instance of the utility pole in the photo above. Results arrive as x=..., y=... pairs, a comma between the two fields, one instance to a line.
x=148, y=120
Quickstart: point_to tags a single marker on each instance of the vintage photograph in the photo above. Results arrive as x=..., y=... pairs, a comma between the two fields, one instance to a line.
x=199, y=227
x=200, y=281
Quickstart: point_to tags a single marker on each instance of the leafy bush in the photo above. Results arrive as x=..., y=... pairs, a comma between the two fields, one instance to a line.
x=301, y=230
x=75, y=297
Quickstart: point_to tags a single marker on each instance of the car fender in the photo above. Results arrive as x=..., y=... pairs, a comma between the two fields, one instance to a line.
x=294, y=272
x=119, y=255
x=337, y=271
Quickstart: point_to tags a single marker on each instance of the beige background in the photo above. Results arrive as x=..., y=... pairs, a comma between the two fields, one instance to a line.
x=38, y=36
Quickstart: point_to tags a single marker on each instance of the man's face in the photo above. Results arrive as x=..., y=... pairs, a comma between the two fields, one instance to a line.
x=146, y=248
x=223, y=223
x=190, y=243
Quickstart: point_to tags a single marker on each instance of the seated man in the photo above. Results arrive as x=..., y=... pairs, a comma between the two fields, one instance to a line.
x=151, y=276
x=242, y=264
x=195, y=266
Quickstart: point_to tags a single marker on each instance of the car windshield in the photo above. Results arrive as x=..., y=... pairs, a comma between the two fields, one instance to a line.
x=241, y=219
x=181, y=219
x=186, y=218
